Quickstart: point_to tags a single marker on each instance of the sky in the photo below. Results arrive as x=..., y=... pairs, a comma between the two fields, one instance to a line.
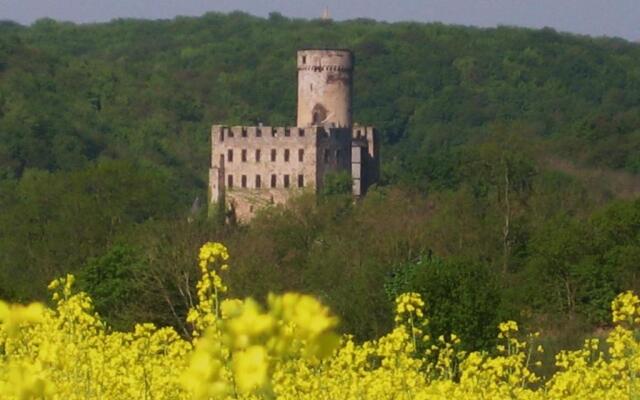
x=592, y=17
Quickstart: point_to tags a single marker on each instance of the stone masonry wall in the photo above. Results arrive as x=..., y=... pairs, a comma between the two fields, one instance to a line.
x=257, y=166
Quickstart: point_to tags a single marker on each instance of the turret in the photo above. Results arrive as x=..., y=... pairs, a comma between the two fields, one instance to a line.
x=324, y=88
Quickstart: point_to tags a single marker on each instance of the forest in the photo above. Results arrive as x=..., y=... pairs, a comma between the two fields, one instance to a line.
x=510, y=171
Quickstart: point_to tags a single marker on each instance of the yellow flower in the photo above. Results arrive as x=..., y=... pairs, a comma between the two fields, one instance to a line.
x=250, y=369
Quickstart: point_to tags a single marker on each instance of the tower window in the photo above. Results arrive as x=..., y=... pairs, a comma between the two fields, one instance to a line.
x=258, y=182
x=304, y=59
x=243, y=155
x=273, y=154
x=230, y=181
x=273, y=180
x=300, y=181
x=257, y=155
x=243, y=181
x=286, y=181
x=229, y=155
x=286, y=155
x=301, y=155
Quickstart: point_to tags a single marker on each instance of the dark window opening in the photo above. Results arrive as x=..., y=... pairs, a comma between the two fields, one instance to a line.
x=301, y=133
x=287, y=132
x=229, y=155
x=244, y=132
x=286, y=181
x=243, y=181
x=301, y=155
x=243, y=155
x=273, y=154
x=286, y=155
x=257, y=155
x=300, y=181
x=258, y=182
x=273, y=181
x=230, y=181
x=304, y=59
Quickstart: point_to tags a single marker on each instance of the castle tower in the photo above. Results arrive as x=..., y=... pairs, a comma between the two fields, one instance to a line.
x=324, y=88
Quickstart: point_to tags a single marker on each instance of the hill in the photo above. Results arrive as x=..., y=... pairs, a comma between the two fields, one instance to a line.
x=495, y=141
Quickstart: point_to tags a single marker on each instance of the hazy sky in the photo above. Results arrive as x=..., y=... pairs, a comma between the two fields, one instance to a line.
x=594, y=17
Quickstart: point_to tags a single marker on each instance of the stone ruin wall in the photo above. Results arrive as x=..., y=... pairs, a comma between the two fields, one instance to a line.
x=240, y=154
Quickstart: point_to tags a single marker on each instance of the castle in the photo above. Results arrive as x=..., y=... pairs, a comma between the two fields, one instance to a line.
x=253, y=166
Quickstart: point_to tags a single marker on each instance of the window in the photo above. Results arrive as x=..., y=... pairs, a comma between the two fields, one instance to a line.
x=230, y=181
x=273, y=154
x=243, y=181
x=243, y=155
x=304, y=59
x=273, y=181
x=258, y=182
x=244, y=132
x=326, y=155
x=300, y=181
x=301, y=155
x=286, y=181
x=301, y=132
x=229, y=155
x=257, y=155
x=286, y=155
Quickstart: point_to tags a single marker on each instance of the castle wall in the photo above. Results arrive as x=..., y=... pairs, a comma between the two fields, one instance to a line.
x=256, y=166
x=334, y=153
x=368, y=168
x=324, y=88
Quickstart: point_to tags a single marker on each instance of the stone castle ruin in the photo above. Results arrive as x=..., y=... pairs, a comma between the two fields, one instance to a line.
x=254, y=166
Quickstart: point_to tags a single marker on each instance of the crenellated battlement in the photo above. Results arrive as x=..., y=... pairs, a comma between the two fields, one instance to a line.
x=238, y=133
x=322, y=68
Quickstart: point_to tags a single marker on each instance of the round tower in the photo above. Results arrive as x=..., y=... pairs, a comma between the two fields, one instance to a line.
x=324, y=87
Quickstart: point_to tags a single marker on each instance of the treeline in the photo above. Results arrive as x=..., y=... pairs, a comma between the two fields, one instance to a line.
x=510, y=160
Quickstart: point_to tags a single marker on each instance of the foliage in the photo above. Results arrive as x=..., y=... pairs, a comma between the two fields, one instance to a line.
x=463, y=297
x=110, y=280
x=337, y=183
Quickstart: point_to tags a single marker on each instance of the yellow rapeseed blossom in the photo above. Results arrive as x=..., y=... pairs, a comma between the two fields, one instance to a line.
x=288, y=349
